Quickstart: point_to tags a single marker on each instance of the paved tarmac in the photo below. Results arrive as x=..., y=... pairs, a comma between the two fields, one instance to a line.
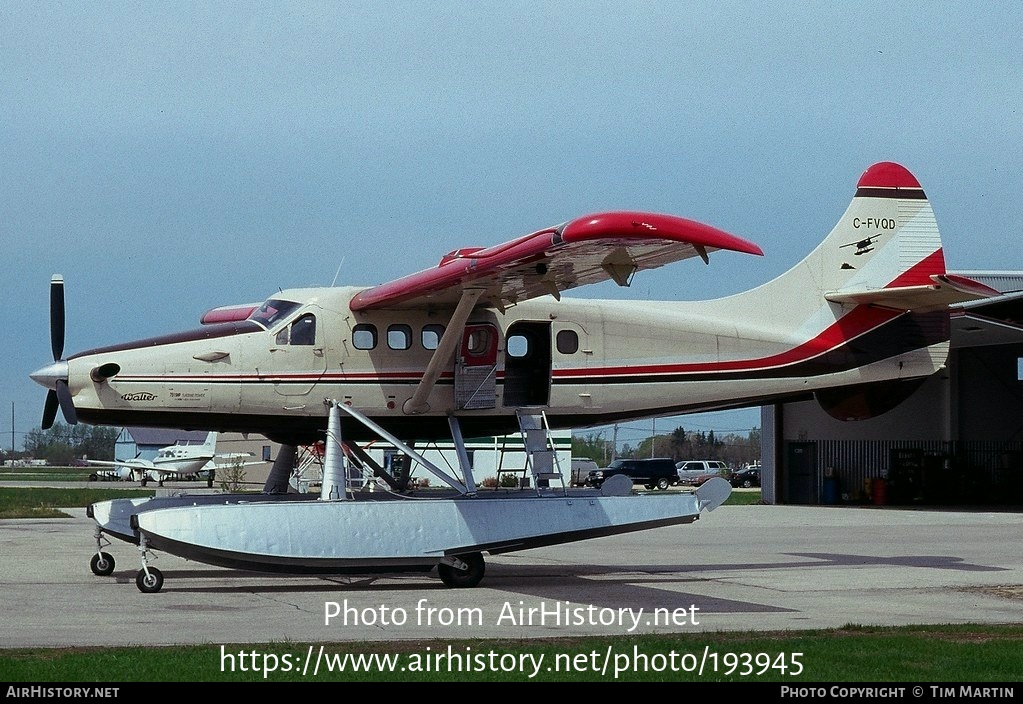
x=738, y=568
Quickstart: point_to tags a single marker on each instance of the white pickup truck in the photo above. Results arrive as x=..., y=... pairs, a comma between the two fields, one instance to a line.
x=696, y=472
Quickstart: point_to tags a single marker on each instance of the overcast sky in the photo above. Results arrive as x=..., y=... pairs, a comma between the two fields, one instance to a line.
x=171, y=157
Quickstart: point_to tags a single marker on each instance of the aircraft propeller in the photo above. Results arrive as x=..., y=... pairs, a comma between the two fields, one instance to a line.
x=55, y=376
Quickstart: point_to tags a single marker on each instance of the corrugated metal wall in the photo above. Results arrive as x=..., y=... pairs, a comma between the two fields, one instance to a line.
x=973, y=472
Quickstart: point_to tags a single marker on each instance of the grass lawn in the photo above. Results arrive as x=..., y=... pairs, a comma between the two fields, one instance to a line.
x=34, y=502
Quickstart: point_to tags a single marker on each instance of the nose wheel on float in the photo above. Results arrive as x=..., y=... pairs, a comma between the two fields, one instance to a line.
x=102, y=563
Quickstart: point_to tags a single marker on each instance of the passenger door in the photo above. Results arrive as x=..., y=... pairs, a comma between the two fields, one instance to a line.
x=476, y=368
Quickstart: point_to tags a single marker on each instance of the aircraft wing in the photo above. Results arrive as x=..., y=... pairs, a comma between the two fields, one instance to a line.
x=232, y=459
x=232, y=463
x=586, y=250
x=228, y=314
x=131, y=464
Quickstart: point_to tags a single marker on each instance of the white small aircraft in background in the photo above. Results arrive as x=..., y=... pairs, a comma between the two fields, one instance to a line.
x=178, y=461
x=483, y=344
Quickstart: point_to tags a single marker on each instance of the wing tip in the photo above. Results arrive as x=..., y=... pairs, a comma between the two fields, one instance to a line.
x=640, y=225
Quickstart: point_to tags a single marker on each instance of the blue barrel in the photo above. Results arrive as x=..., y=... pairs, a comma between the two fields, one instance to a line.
x=829, y=491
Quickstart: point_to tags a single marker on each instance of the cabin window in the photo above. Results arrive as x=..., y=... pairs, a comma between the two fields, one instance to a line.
x=303, y=330
x=364, y=336
x=518, y=346
x=478, y=341
x=399, y=336
x=568, y=341
x=431, y=336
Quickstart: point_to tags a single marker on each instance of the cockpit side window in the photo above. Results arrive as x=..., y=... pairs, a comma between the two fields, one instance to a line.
x=303, y=330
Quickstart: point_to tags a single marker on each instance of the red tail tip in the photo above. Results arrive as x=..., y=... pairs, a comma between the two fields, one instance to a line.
x=887, y=174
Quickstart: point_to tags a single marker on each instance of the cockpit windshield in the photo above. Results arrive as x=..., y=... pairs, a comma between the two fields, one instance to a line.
x=272, y=311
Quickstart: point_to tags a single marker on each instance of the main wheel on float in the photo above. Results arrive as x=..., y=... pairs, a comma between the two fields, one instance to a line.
x=469, y=577
x=149, y=580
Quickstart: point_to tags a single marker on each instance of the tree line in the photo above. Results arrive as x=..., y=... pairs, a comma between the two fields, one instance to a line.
x=732, y=448
x=60, y=444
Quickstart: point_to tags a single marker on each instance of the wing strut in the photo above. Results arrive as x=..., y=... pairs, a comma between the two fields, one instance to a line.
x=429, y=466
x=463, y=457
x=442, y=356
x=378, y=471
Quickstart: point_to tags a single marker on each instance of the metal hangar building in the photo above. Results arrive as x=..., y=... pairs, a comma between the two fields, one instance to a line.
x=958, y=439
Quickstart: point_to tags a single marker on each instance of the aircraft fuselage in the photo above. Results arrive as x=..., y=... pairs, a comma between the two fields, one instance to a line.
x=584, y=361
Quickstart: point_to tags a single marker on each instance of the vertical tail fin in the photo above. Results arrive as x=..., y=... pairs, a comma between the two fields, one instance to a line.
x=211, y=442
x=884, y=252
x=887, y=239
x=913, y=276
x=868, y=305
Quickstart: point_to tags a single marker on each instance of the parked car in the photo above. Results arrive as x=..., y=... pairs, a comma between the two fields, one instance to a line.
x=659, y=473
x=582, y=467
x=696, y=472
x=746, y=478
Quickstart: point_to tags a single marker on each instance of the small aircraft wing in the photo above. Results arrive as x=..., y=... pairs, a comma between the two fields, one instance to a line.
x=131, y=464
x=586, y=250
x=234, y=459
x=233, y=463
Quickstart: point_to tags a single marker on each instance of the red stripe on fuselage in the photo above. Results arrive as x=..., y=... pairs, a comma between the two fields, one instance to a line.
x=859, y=321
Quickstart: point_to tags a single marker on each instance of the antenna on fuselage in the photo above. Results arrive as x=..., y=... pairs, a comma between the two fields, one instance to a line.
x=338, y=272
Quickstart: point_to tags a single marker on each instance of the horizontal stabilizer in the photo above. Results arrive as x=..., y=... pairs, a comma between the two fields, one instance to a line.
x=946, y=290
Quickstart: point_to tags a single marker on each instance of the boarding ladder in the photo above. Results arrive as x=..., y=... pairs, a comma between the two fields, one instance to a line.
x=541, y=454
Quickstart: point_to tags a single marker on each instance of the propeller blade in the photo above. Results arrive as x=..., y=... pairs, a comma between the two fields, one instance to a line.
x=67, y=404
x=50, y=409
x=57, y=316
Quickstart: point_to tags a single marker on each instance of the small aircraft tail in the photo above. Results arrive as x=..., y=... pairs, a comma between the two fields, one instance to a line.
x=868, y=306
x=887, y=240
x=210, y=443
